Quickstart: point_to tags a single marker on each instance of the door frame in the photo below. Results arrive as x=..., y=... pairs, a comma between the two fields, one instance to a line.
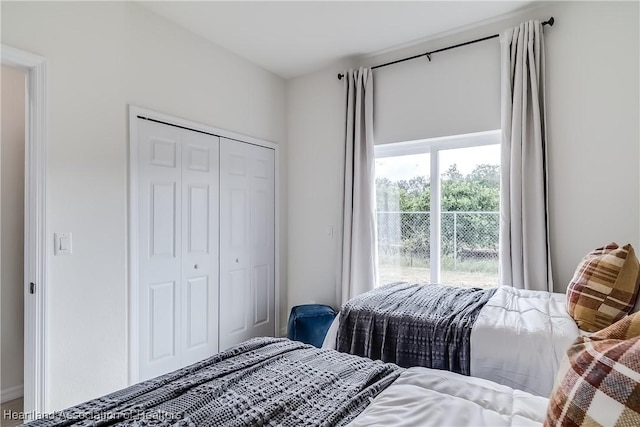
x=133, y=226
x=36, y=255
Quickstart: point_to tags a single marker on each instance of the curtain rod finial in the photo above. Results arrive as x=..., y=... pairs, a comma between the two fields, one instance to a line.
x=551, y=21
x=340, y=76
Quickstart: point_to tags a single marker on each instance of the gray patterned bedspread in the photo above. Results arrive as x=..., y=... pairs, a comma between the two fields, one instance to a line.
x=413, y=325
x=264, y=381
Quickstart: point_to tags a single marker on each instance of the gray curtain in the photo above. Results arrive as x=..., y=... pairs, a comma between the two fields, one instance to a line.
x=524, y=216
x=359, y=247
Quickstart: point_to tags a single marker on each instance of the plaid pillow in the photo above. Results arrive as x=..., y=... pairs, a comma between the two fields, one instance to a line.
x=598, y=383
x=604, y=287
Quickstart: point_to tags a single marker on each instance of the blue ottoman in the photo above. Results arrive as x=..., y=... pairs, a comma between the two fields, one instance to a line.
x=309, y=323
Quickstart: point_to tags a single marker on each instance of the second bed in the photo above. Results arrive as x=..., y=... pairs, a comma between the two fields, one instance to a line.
x=515, y=337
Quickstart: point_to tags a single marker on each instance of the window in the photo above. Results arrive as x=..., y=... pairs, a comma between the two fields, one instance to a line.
x=438, y=210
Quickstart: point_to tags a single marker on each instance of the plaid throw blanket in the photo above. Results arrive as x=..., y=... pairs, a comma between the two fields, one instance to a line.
x=264, y=381
x=413, y=325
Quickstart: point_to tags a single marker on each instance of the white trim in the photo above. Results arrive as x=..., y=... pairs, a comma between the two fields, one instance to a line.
x=435, y=220
x=36, y=228
x=132, y=233
x=133, y=320
x=276, y=241
x=421, y=146
x=11, y=393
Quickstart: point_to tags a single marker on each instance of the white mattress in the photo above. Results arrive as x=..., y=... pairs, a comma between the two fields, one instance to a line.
x=518, y=339
x=429, y=397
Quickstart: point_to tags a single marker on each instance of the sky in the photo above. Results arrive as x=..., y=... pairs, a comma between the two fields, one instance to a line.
x=407, y=167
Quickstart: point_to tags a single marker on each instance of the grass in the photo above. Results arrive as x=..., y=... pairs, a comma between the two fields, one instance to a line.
x=480, y=273
x=489, y=266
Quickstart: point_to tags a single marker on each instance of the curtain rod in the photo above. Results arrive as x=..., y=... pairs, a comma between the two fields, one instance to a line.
x=550, y=22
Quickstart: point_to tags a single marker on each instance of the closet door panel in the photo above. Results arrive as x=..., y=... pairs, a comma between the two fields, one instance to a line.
x=199, y=211
x=235, y=294
x=235, y=282
x=159, y=239
x=200, y=189
x=163, y=211
x=198, y=328
x=262, y=239
x=178, y=246
x=247, y=245
x=162, y=309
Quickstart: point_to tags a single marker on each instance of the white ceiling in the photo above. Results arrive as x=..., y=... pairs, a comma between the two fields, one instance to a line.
x=293, y=38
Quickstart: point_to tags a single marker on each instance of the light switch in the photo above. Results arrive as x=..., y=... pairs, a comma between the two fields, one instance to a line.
x=63, y=243
x=328, y=231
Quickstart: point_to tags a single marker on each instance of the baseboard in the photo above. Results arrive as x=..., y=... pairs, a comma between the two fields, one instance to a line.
x=11, y=393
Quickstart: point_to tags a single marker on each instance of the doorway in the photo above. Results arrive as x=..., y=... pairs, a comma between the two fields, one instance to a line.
x=13, y=84
x=32, y=284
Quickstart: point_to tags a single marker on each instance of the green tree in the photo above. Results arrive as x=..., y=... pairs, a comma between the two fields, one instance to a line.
x=479, y=191
x=416, y=185
x=387, y=195
x=453, y=173
x=486, y=175
x=468, y=196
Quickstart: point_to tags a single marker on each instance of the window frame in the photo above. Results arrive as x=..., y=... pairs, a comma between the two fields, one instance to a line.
x=433, y=146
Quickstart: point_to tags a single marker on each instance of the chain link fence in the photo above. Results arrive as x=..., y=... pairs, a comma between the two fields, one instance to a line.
x=469, y=240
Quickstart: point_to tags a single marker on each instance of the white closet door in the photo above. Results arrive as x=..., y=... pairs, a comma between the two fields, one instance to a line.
x=262, y=240
x=246, y=242
x=200, y=187
x=160, y=195
x=178, y=247
x=235, y=286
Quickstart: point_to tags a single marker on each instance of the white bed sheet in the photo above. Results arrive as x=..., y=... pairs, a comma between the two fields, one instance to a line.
x=518, y=340
x=330, y=340
x=520, y=337
x=429, y=397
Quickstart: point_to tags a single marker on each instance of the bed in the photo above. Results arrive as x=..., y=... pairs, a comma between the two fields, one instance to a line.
x=513, y=337
x=431, y=397
x=274, y=381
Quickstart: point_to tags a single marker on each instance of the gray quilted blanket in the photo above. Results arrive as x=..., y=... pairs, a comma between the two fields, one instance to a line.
x=264, y=381
x=413, y=325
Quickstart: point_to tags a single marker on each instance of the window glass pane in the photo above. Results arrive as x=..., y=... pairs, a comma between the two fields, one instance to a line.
x=403, y=202
x=470, y=200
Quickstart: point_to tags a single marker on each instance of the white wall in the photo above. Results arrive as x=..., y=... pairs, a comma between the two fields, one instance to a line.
x=315, y=106
x=12, y=228
x=593, y=130
x=101, y=57
x=594, y=140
